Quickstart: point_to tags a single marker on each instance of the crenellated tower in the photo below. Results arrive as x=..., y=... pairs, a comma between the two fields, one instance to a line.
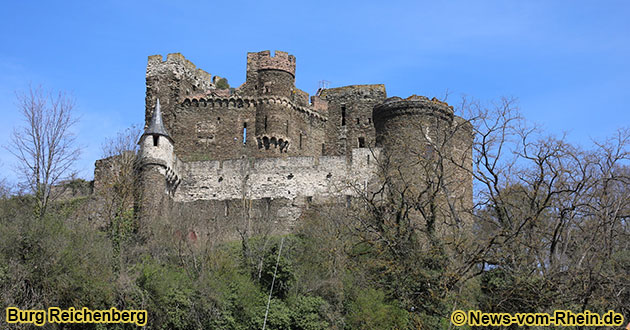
x=271, y=75
x=273, y=80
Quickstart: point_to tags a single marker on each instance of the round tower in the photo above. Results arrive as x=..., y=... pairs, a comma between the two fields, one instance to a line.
x=276, y=74
x=410, y=126
x=427, y=155
x=274, y=81
x=157, y=160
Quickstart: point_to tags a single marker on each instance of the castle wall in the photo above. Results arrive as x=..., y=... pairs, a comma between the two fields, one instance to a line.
x=104, y=169
x=278, y=188
x=300, y=97
x=213, y=128
x=227, y=219
x=350, y=116
x=291, y=177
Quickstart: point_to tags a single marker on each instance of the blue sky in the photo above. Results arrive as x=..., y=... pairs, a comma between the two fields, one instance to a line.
x=567, y=62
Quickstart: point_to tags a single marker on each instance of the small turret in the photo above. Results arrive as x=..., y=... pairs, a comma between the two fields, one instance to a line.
x=156, y=145
x=158, y=177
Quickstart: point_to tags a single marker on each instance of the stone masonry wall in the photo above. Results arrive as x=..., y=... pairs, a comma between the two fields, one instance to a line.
x=213, y=128
x=292, y=177
x=278, y=188
x=350, y=116
x=171, y=81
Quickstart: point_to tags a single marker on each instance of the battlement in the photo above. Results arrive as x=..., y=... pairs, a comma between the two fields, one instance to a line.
x=175, y=62
x=264, y=61
x=415, y=105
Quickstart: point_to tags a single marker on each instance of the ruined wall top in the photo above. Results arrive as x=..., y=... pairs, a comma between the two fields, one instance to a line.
x=419, y=105
x=373, y=91
x=175, y=62
x=264, y=61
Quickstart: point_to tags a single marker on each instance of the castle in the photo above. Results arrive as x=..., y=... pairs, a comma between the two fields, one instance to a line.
x=265, y=151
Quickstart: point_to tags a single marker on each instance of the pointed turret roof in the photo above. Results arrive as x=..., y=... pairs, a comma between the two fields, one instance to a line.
x=156, y=126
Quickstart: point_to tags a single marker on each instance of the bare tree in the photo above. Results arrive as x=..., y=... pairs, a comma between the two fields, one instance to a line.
x=5, y=188
x=550, y=215
x=44, y=145
x=117, y=172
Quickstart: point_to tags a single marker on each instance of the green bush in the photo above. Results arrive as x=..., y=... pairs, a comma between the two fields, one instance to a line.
x=222, y=84
x=370, y=311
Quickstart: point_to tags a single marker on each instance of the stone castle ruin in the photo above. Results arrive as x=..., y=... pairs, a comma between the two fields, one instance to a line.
x=266, y=151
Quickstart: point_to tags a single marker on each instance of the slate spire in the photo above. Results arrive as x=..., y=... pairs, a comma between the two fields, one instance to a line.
x=156, y=126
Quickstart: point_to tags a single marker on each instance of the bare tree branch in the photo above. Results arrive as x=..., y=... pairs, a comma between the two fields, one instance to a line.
x=44, y=145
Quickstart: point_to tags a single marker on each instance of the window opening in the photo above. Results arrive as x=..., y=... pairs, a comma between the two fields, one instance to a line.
x=244, y=133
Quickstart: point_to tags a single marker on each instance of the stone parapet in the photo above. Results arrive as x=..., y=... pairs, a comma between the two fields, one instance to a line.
x=264, y=61
x=415, y=105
